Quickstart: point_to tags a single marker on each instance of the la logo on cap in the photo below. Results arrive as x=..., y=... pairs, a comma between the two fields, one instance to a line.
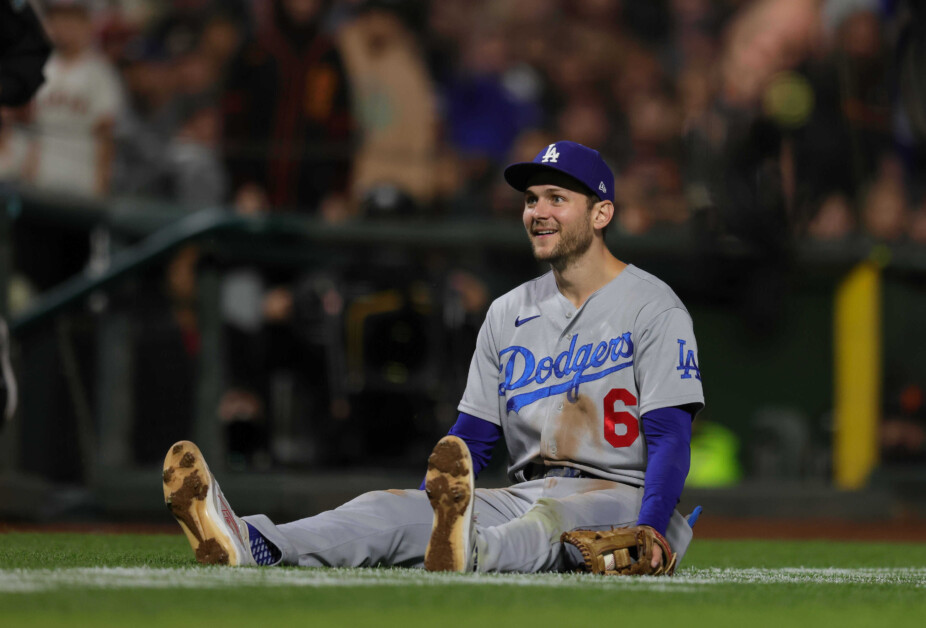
x=551, y=155
x=603, y=188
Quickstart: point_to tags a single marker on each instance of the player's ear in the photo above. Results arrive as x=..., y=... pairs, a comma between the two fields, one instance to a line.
x=602, y=213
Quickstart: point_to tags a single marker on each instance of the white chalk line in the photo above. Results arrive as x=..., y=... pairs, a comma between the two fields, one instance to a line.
x=688, y=580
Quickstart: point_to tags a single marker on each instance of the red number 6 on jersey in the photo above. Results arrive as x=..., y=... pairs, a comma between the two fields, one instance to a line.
x=613, y=418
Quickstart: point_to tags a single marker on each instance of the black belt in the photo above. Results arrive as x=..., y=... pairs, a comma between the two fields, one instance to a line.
x=539, y=472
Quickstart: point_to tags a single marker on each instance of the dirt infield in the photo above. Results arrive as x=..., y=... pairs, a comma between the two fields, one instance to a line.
x=905, y=530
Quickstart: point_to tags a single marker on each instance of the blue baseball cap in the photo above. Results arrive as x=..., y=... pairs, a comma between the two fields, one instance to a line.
x=582, y=163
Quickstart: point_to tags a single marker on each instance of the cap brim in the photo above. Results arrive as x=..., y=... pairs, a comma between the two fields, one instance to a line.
x=519, y=176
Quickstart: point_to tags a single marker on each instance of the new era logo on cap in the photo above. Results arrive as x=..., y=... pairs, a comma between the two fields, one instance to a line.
x=583, y=164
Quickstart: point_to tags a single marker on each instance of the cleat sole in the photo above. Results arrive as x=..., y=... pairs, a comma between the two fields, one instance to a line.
x=188, y=494
x=449, y=486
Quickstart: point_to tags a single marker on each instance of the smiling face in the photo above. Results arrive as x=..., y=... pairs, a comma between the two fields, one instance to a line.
x=559, y=223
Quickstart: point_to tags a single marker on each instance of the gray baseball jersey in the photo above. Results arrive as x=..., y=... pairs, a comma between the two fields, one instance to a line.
x=568, y=386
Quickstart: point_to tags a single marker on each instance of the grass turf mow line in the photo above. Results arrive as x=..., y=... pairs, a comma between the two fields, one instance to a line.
x=689, y=580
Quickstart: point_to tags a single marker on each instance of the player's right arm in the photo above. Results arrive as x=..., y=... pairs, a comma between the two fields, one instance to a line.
x=480, y=437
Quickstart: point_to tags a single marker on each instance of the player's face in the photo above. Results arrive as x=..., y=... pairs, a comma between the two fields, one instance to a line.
x=558, y=224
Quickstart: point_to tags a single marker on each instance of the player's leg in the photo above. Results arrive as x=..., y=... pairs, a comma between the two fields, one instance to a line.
x=377, y=528
x=395, y=527
x=381, y=527
x=531, y=543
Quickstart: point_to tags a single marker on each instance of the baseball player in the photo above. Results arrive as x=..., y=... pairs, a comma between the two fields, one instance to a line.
x=591, y=374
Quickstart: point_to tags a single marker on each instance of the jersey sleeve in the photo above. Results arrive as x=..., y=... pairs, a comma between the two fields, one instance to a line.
x=666, y=363
x=668, y=444
x=480, y=398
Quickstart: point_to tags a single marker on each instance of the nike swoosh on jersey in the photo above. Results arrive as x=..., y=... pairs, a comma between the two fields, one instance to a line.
x=520, y=321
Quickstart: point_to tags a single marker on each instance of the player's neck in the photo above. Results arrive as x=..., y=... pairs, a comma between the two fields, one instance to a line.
x=587, y=274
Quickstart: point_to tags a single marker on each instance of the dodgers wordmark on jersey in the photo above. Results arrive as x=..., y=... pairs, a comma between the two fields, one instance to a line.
x=568, y=386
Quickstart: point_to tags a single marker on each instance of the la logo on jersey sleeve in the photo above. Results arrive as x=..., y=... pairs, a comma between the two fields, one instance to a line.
x=687, y=362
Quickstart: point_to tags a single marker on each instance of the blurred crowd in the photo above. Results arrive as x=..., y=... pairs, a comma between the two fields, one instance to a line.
x=768, y=121
x=759, y=118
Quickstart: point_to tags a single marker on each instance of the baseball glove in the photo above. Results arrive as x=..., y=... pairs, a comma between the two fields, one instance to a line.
x=622, y=551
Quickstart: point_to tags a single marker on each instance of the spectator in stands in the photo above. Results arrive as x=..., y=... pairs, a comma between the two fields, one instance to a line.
x=903, y=424
x=918, y=224
x=168, y=139
x=75, y=110
x=287, y=116
x=288, y=146
x=148, y=122
x=397, y=109
x=836, y=148
x=884, y=204
x=834, y=220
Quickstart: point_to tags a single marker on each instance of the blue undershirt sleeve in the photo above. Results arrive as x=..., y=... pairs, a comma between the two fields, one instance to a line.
x=479, y=435
x=668, y=443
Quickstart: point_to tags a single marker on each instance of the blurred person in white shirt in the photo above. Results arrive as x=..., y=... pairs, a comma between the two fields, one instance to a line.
x=74, y=112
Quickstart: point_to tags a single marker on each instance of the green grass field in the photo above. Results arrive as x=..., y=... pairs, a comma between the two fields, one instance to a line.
x=151, y=580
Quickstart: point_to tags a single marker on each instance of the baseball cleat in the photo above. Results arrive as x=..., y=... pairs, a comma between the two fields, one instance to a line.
x=451, y=491
x=193, y=496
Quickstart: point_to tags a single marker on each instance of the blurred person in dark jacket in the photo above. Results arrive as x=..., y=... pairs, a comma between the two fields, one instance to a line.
x=287, y=116
x=287, y=147
x=24, y=49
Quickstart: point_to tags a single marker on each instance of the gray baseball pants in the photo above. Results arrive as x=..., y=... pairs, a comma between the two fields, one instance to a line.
x=518, y=528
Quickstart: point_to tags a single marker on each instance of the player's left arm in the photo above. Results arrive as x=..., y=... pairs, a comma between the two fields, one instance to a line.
x=669, y=382
x=668, y=442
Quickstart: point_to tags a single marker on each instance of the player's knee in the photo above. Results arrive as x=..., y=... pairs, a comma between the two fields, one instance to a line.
x=388, y=496
x=552, y=516
x=393, y=505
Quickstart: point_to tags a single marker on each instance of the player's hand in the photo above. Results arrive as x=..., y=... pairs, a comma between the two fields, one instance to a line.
x=657, y=554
